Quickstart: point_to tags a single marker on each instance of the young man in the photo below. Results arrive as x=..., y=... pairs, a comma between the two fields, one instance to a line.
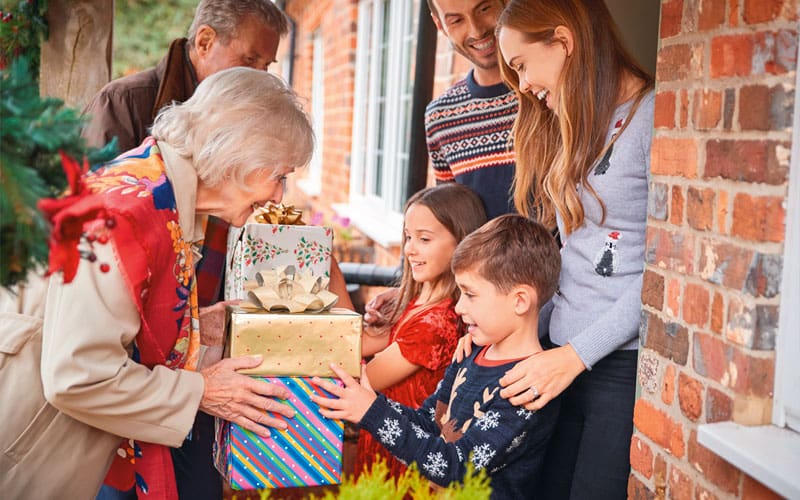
x=469, y=126
x=466, y=419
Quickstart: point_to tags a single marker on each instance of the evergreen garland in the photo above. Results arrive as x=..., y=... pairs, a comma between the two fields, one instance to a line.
x=32, y=132
x=22, y=26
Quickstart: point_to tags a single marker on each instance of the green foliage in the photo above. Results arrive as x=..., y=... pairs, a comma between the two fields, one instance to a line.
x=22, y=27
x=32, y=132
x=143, y=30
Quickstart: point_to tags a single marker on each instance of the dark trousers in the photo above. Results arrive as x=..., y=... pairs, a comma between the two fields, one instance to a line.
x=589, y=453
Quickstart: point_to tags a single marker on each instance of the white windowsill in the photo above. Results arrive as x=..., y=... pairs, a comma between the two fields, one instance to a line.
x=382, y=228
x=310, y=187
x=768, y=453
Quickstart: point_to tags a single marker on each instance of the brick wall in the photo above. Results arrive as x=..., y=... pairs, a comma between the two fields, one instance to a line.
x=720, y=158
x=337, y=21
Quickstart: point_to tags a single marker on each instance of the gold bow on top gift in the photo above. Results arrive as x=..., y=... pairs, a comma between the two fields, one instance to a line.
x=278, y=214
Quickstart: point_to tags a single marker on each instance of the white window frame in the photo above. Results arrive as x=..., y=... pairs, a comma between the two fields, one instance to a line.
x=771, y=453
x=378, y=214
x=311, y=184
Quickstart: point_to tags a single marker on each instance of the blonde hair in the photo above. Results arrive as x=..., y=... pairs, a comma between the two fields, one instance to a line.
x=239, y=120
x=556, y=151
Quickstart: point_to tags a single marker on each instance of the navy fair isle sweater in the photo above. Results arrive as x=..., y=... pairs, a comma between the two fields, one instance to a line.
x=466, y=419
x=468, y=129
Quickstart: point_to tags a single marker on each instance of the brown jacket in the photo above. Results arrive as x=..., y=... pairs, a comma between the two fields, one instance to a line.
x=126, y=107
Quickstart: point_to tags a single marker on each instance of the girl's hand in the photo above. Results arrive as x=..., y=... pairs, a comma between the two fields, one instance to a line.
x=549, y=372
x=463, y=349
x=353, y=401
x=375, y=309
x=241, y=399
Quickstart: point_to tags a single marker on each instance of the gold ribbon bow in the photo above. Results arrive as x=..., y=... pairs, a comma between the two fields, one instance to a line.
x=279, y=214
x=284, y=289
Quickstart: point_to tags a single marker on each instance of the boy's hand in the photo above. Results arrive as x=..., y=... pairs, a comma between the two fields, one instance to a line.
x=549, y=372
x=354, y=399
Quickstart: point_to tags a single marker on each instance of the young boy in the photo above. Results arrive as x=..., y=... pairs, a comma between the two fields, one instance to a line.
x=505, y=271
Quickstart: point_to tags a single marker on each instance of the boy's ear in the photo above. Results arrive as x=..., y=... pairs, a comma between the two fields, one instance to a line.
x=525, y=299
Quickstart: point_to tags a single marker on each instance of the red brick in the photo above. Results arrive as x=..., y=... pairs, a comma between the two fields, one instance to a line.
x=761, y=11
x=673, y=298
x=722, y=212
x=774, y=53
x=724, y=263
x=670, y=250
x=717, y=313
x=669, y=339
x=659, y=427
x=677, y=206
x=753, y=490
x=683, y=111
x=671, y=13
x=700, y=205
x=641, y=457
x=673, y=63
x=707, y=109
x=701, y=493
x=746, y=160
x=765, y=108
x=758, y=218
x=653, y=289
x=733, y=14
x=712, y=14
x=712, y=467
x=740, y=326
x=731, y=55
x=719, y=406
x=690, y=397
x=731, y=367
x=637, y=490
x=695, y=305
x=660, y=474
x=668, y=386
x=681, y=486
x=674, y=157
x=665, y=110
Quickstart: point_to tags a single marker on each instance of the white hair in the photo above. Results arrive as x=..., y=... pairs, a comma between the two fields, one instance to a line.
x=239, y=120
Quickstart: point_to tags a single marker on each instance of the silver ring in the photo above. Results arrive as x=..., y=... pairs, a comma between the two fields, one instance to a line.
x=535, y=392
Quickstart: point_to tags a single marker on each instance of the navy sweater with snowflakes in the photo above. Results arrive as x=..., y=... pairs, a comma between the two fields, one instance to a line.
x=467, y=419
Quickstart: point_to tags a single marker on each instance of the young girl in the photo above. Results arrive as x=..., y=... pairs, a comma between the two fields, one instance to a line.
x=411, y=359
x=582, y=139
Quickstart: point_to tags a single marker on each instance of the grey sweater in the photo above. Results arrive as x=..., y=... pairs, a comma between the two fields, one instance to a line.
x=597, y=308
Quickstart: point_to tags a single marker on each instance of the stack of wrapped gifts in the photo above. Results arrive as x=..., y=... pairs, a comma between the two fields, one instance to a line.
x=288, y=318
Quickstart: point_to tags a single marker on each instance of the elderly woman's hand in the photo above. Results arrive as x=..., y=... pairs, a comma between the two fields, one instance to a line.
x=241, y=399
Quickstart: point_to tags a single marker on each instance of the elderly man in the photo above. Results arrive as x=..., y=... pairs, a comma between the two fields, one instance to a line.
x=223, y=34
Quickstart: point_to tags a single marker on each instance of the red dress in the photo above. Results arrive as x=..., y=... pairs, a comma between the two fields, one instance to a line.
x=426, y=338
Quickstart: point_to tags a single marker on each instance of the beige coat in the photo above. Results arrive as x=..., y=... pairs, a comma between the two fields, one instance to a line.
x=75, y=353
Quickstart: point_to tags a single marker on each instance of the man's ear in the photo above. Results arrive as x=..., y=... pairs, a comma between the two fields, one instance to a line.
x=564, y=35
x=204, y=39
x=437, y=22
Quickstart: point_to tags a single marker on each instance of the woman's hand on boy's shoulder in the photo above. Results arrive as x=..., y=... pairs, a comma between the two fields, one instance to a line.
x=536, y=381
x=351, y=402
x=463, y=349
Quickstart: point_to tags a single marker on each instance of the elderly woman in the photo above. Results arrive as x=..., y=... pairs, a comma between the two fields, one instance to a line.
x=121, y=354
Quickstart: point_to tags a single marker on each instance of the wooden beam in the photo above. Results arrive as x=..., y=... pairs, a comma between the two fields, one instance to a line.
x=76, y=57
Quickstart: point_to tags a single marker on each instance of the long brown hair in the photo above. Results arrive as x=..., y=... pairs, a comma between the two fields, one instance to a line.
x=556, y=151
x=460, y=211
